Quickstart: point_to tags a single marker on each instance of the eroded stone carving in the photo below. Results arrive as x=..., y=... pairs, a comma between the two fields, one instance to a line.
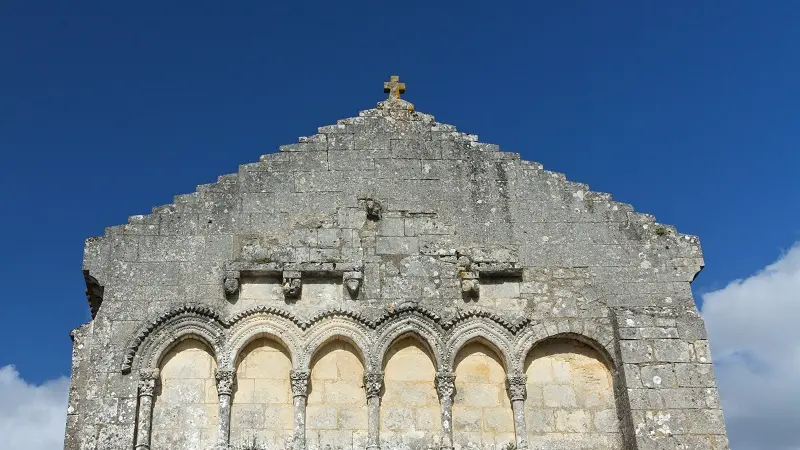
x=292, y=284
x=373, y=382
x=445, y=384
x=516, y=386
x=231, y=282
x=352, y=281
x=226, y=379
x=299, y=379
x=374, y=209
x=147, y=381
x=470, y=279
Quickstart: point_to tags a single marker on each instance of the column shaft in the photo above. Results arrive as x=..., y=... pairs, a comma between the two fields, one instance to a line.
x=517, y=393
x=144, y=417
x=226, y=378
x=445, y=386
x=299, y=379
x=373, y=383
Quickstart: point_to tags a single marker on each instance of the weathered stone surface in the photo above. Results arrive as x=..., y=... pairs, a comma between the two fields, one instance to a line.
x=390, y=248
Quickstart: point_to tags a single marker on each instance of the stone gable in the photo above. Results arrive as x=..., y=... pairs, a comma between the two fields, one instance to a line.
x=391, y=281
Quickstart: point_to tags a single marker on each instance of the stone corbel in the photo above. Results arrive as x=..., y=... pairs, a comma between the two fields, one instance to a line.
x=470, y=278
x=292, y=284
x=374, y=209
x=231, y=282
x=352, y=281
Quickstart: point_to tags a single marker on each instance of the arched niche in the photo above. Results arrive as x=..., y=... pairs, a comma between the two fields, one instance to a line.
x=261, y=410
x=570, y=396
x=482, y=416
x=410, y=411
x=336, y=412
x=186, y=408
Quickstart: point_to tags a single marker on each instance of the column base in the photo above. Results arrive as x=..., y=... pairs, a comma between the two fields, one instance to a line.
x=373, y=447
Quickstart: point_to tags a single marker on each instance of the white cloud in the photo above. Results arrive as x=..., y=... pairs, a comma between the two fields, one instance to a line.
x=31, y=417
x=754, y=331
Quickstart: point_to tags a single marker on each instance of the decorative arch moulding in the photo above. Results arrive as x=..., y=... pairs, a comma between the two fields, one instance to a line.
x=512, y=340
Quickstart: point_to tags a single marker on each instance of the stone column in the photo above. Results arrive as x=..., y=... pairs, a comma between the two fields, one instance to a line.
x=144, y=418
x=373, y=382
x=226, y=378
x=517, y=392
x=445, y=387
x=299, y=380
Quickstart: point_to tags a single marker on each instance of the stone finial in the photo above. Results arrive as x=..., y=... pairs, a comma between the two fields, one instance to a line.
x=516, y=386
x=226, y=378
x=147, y=381
x=394, y=87
x=292, y=284
x=352, y=281
x=299, y=379
x=445, y=384
x=373, y=382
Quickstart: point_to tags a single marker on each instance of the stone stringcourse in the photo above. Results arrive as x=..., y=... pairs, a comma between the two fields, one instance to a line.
x=546, y=315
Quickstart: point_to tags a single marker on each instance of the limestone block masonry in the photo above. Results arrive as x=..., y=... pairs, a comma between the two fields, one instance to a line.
x=392, y=283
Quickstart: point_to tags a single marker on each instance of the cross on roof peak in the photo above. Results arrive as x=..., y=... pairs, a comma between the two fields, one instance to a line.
x=394, y=87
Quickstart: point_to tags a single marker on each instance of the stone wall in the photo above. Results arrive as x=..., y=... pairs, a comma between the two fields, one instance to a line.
x=381, y=226
x=482, y=415
x=185, y=412
x=262, y=400
x=337, y=411
x=570, y=400
x=410, y=412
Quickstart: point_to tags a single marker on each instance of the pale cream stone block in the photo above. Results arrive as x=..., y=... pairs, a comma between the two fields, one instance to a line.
x=562, y=373
x=559, y=396
x=535, y=395
x=539, y=421
x=188, y=359
x=477, y=395
x=540, y=371
x=467, y=418
x=316, y=392
x=247, y=416
x=271, y=391
x=342, y=392
x=244, y=391
x=322, y=292
x=606, y=421
x=262, y=289
x=182, y=391
x=278, y=417
x=322, y=417
x=353, y=418
x=498, y=420
x=572, y=421
x=429, y=418
x=397, y=419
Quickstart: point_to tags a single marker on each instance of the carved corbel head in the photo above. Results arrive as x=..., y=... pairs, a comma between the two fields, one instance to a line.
x=470, y=279
x=292, y=284
x=374, y=209
x=352, y=281
x=231, y=282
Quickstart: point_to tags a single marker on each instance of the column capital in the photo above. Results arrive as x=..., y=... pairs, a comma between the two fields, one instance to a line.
x=373, y=382
x=147, y=382
x=299, y=379
x=516, y=386
x=226, y=379
x=445, y=384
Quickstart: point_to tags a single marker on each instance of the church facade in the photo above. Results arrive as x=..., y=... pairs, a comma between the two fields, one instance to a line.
x=392, y=283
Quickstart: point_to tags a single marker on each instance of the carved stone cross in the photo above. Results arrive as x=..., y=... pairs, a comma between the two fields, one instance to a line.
x=394, y=87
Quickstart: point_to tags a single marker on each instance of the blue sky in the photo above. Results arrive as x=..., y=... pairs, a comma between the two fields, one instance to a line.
x=687, y=110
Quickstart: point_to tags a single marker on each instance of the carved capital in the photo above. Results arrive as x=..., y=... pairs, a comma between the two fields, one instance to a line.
x=231, y=282
x=226, y=379
x=352, y=281
x=374, y=209
x=147, y=382
x=373, y=382
x=445, y=384
x=516, y=386
x=299, y=380
x=292, y=284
